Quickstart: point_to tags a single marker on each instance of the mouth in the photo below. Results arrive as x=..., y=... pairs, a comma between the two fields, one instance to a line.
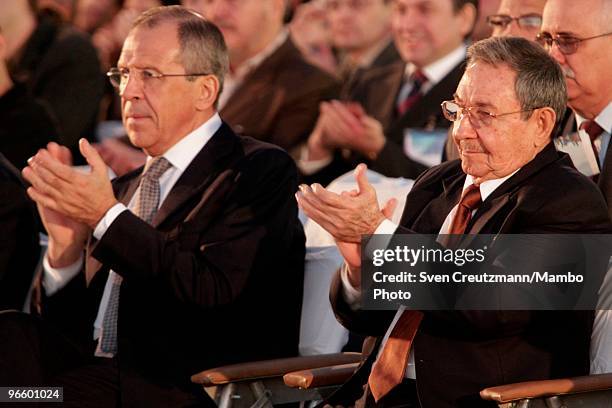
x=135, y=116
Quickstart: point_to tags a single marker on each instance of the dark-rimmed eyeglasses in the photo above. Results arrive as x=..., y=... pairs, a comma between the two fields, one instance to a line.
x=119, y=77
x=525, y=21
x=567, y=44
x=478, y=117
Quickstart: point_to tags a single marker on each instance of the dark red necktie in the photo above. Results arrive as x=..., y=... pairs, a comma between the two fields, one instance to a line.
x=418, y=78
x=593, y=130
x=470, y=200
x=389, y=369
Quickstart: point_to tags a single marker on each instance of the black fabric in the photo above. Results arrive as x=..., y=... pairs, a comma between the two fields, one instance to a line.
x=19, y=248
x=60, y=66
x=26, y=125
x=216, y=279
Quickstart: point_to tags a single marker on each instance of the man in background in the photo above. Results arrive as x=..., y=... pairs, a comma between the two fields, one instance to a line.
x=429, y=35
x=57, y=65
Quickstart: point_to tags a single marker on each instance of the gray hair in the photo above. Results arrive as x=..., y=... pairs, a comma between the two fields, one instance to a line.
x=539, y=79
x=203, y=48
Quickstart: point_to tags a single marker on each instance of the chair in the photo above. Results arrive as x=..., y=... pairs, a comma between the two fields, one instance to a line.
x=258, y=384
x=593, y=391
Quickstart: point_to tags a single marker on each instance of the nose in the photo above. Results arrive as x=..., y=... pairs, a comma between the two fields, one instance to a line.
x=557, y=55
x=463, y=128
x=131, y=88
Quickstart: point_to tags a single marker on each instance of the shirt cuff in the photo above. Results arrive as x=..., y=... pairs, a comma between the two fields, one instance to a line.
x=308, y=166
x=386, y=228
x=56, y=278
x=108, y=219
x=351, y=295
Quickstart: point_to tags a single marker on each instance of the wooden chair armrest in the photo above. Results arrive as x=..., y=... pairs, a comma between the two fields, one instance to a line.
x=270, y=368
x=547, y=388
x=320, y=377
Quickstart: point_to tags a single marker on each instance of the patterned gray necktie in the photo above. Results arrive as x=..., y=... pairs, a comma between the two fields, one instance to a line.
x=147, y=203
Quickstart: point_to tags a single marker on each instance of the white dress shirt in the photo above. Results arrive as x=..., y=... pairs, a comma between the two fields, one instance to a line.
x=353, y=296
x=180, y=156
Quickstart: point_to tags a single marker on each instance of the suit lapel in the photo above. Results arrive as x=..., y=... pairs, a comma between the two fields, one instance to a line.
x=380, y=102
x=200, y=172
x=501, y=196
x=432, y=205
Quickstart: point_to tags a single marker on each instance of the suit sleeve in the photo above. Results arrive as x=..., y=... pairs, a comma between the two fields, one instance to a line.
x=247, y=223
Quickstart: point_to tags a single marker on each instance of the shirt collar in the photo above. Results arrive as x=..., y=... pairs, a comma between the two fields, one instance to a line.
x=487, y=187
x=183, y=152
x=604, y=119
x=436, y=71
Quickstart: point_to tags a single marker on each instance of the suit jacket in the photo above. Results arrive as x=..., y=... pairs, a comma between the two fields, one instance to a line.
x=19, y=249
x=200, y=285
x=279, y=101
x=377, y=92
x=459, y=353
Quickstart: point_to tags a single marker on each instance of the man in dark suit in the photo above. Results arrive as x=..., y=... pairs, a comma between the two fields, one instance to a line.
x=586, y=65
x=182, y=266
x=395, y=98
x=510, y=180
x=271, y=93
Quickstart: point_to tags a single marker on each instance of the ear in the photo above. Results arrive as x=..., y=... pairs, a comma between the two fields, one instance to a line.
x=467, y=18
x=208, y=92
x=545, y=119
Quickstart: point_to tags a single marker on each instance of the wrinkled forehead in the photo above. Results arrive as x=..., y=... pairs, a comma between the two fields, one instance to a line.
x=517, y=8
x=578, y=18
x=152, y=47
x=487, y=85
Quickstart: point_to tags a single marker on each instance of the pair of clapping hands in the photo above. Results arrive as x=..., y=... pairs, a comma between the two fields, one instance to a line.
x=345, y=125
x=346, y=216
x=70, y=202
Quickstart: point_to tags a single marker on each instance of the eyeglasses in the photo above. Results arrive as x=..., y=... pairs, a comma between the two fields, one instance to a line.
x=119, y=76
x=335, y=5
x=524, y=21
x=478, y=117
x=567, y=44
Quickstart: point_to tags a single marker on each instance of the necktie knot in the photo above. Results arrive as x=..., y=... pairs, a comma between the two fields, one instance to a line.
x=418, y=78
x=156, y=168
x=592, y=128
x=471, y=197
